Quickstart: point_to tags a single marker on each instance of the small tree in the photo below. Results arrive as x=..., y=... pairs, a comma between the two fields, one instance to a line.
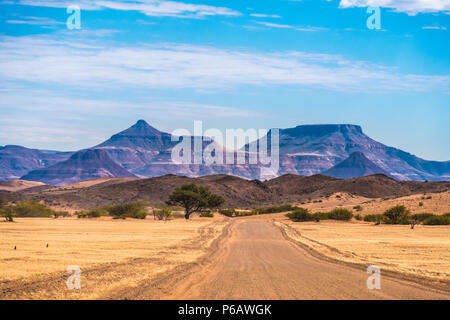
x=194, y=198
x=396, y=215
x=7, y=212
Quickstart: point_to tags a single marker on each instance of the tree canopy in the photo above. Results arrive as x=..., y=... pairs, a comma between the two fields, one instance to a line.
x=194, y=198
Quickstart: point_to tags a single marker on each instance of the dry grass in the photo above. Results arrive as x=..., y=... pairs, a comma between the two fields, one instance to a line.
x=424, y=251
x=127, y=251
x=436, y=203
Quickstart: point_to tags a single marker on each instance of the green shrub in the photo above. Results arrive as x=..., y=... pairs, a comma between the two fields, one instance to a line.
x=81, y=214
x=321, y=215
x=300, y=215
x=421, y=217
x=274, y=209
x=373, y=218
x=228, y=212
x=7, y=212
x=358, y=208
x=397, y=215
x=437, y=221
x=163, y=214
x=30, y=208
x=446, y=215
x=206, y=214
x=420, y=204
x=341, y=214
x=129, y=210
x=358, y=217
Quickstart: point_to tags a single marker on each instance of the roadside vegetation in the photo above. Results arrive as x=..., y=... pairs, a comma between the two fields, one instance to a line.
x=28, y=209
x=302, y=214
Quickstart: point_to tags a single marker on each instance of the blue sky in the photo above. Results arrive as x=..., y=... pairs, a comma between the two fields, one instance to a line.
x=232, y=64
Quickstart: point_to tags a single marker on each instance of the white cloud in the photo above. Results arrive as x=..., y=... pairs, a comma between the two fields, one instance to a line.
x=434, y=28
x=67, y=62
x=287, y=26
x=262, y=15
x=411, y=7
x=149, y=7
x=39, y=21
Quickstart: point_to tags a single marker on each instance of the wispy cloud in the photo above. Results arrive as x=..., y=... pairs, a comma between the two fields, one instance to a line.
x=41, y=60
x=287, y=26
x=411, y=7
x=262, y=15
x=39, y=21
x=155, y=8
x=434, y=28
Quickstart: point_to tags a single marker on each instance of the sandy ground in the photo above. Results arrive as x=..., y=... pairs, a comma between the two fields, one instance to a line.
x=258, y=257
x=111, y=253
x=436, y=203
x=255, y=261
x=423, y=252
x=18, y=185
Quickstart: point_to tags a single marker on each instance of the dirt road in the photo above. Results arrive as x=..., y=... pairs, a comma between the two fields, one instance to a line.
x=255, y=261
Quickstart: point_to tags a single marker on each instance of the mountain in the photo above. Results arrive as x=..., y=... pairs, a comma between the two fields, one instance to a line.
x=357, y=165
x=304, y=150
x=312, y=149
x=83, y=165
x=15, y=161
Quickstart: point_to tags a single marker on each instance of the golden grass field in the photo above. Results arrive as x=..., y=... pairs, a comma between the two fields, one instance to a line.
x=436, y=203
x=423, y=252
x=114, y=253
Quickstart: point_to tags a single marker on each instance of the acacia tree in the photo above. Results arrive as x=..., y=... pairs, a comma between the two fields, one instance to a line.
x=194, y=198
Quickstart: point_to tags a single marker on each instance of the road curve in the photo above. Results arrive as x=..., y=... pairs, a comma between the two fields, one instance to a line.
x=256, y=262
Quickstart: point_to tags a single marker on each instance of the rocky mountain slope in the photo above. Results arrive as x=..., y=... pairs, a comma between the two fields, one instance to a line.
x=83, y=165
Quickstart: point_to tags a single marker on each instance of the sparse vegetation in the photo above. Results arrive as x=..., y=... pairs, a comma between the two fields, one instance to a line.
x=207, y=214
x=397, y=215
x=135, y=210
x=300, y=215
x=341, y=214
x=228, y=212
x=358, y=208
x=437, y=221
x=162, y=214
x=358, y=217
x=274, y=209
x=194, y=198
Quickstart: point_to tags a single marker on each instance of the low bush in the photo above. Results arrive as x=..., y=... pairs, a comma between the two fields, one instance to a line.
x=227, y=212
x=358, y=208
x=373, y=218
x=206, y=214
x=437, y=221
x=341, y=214
x=421, y=217
x=358, y=217
x=32, y=209
x=321, y=215
x=300, y=215
x=163, y=214
x=135, y=210
x=274, y=209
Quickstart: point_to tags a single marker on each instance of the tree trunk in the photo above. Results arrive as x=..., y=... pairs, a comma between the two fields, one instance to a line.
x=186, y=216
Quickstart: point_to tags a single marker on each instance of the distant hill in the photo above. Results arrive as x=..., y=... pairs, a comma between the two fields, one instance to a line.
x=357, y=165
x=15, y=161
x=237, y=192
x=83, y=165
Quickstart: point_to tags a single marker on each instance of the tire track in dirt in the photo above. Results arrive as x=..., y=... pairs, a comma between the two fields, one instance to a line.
x=255, y=261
